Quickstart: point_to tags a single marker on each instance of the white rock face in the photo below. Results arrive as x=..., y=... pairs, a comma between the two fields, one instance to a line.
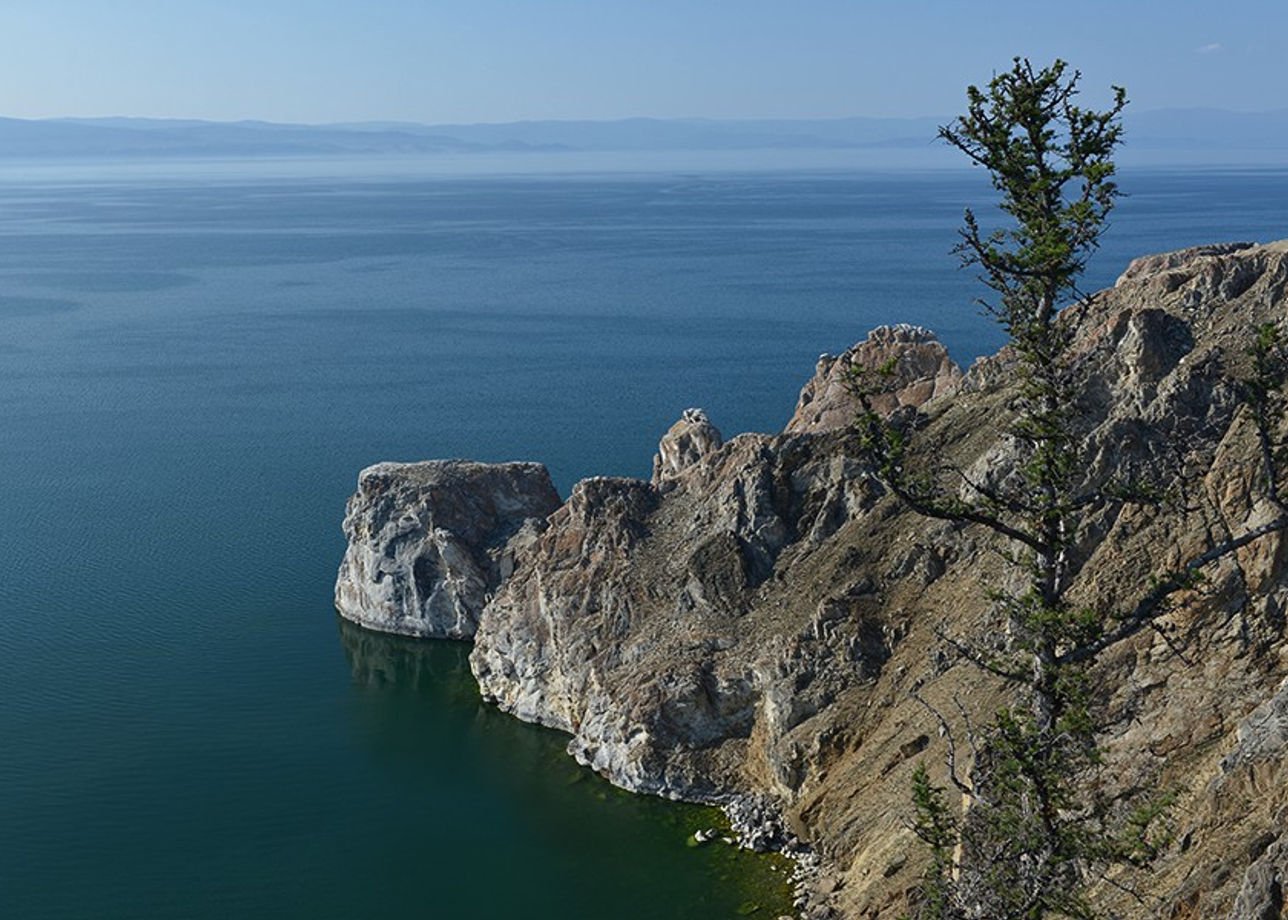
x=687, y=442
x=429, y=542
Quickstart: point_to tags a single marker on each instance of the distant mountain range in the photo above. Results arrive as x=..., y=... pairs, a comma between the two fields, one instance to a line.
x=1196, y=130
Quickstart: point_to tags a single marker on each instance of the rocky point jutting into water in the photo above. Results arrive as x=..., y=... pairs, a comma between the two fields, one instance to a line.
x=748, y=626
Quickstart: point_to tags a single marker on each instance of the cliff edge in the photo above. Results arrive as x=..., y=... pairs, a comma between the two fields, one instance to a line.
x=748, y=627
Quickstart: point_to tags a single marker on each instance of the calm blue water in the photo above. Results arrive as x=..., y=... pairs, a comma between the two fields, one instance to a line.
x=195, y=363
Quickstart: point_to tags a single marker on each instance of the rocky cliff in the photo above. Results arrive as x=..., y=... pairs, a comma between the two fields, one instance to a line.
x=749, y=626
x=429, y=542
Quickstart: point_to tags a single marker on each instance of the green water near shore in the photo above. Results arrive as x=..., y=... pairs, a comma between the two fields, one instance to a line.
x=629, y=843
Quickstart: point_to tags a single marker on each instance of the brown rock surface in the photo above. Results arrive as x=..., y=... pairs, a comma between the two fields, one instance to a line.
x=752, y=632
x=920, y=367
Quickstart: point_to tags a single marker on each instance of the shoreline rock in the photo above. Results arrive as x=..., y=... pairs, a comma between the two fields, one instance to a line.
x=430, y=541
x=747, y=628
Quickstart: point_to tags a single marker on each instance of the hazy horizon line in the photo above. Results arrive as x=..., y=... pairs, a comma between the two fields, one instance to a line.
x=251, y=120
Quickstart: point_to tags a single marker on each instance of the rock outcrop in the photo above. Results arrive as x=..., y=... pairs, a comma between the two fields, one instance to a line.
x=912, y=365
x=749, y=627
x=429, y=542
x=687, y=442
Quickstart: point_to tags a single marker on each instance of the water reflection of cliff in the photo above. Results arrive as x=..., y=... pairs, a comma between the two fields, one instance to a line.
x=383, y=661
x=416, y=705
x=500, y=792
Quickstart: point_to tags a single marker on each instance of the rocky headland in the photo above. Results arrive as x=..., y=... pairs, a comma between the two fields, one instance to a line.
x=749, y=627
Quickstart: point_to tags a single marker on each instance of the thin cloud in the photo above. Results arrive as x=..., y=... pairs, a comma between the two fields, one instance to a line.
x=1213, y=48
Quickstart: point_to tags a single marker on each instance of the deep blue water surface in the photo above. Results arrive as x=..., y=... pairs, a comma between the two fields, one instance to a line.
x=195, y=363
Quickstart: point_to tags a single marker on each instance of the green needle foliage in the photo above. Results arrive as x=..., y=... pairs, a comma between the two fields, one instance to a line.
x=1033, y=834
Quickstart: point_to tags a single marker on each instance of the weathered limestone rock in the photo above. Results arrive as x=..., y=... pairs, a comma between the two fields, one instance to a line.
x=1258, y=762
x=1160, y=266
x=427, y=542
x=750, y=626
x=582, y=636
x=1261, y=896
x=1262, y=735
x=687, y=442
x=920, y=370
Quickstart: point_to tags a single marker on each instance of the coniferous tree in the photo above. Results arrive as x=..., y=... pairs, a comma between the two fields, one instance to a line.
x=1032, y=837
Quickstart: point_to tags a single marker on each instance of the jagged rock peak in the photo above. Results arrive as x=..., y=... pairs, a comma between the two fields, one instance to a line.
x=901, y=334
x=685, y=443
x=1161, y=262
x=429, y=542
x=922, y=371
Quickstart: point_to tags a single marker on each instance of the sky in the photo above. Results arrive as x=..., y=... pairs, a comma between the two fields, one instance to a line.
x=444, y=61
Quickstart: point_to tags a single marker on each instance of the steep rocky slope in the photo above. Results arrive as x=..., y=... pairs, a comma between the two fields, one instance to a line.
x=749, y=626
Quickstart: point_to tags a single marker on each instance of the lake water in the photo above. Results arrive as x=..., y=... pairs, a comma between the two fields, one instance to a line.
x=196, y=360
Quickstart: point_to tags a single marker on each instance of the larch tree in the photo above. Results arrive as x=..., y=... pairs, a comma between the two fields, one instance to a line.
x=1033, y=838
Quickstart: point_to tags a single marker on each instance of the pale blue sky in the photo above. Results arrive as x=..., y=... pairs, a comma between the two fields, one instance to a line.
x=493, y=60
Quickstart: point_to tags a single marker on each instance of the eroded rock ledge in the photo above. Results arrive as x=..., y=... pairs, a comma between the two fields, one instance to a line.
x=747, y=627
